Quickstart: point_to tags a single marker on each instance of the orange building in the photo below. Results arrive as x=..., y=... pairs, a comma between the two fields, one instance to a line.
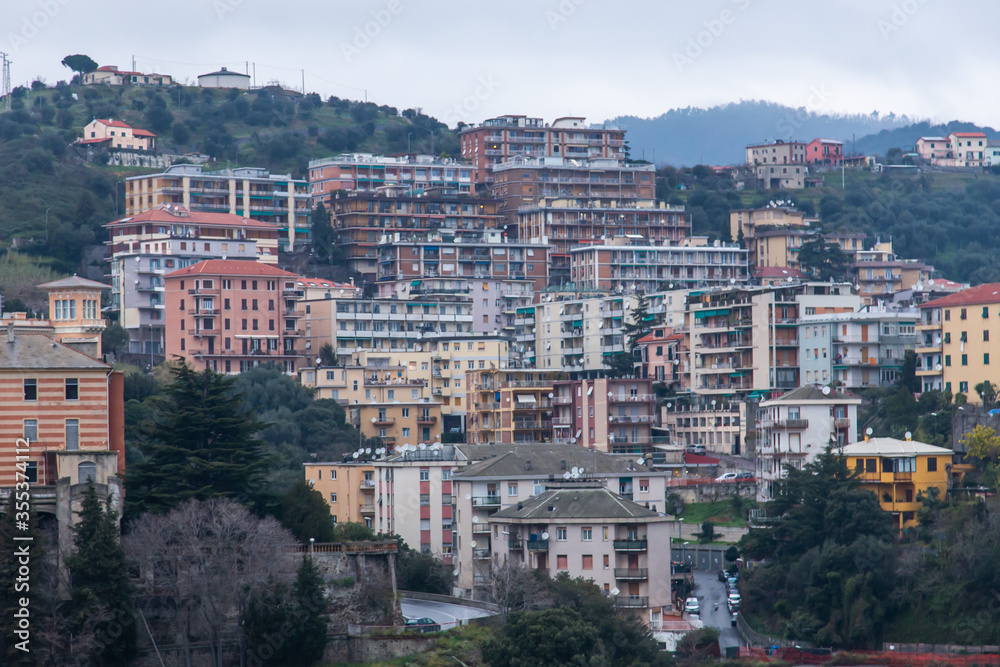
x=74, y=315
x=348, y=488
x=231, y=315
x=62, y=416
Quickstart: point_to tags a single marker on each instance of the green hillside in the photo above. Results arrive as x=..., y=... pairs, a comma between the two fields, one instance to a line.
x=52, y=203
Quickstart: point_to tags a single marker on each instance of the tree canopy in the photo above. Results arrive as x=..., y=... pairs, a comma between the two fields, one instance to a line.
x=80, y=63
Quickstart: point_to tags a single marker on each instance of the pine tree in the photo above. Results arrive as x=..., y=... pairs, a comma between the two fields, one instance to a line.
x=642, y=323
x=311, y=613
x=322, y=233
x=204, y=447
x=305, y=513
x=100, y=586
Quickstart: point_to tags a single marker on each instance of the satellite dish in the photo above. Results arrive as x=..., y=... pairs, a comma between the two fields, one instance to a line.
x=826, y=391
x=550, y=394
x=575, y=471
x=566, y=475
x=419, y=348
x=472, y=544
x=354, y=455
x=937, y=367
x=475, y=519
x=576, y=475
x=545, y=536
x=421, y=445
x=908, y=435
x=312, y=482
x=615, y=591
x=641, y=461
x=869, y=431
x=318, y=361
x=374, y=420
x=468, y=496
x=456, y=571
x=368, y=450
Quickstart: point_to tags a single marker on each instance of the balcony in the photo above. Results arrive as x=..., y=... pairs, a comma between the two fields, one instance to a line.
x=841, y=422
x=631, y=398
x=480, y=529
x=367, y=509
x=201, y=332
x=625, y=573
x=383, y=421
x=631, y=601
x=367, y=484
x=486, y=501
x=630, y=545
x=204, y=312
x=426, y=420
x=480, y=554
x=562, y=400
x=538, y=545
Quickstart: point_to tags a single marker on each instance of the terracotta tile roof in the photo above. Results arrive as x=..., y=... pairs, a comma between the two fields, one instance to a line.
x=778, y=272
x=93, y=141
x=969, y=134
x=231, y=267
x=142, y=133
x=986, y=293
x=176, y=213
x=113, y=123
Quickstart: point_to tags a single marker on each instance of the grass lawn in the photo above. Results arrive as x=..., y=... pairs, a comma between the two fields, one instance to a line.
x=720, y=513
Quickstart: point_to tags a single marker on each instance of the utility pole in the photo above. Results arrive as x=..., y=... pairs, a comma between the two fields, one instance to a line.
x=303, y=82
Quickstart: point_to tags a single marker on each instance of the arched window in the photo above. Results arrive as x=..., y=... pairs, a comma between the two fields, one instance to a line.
x=88, y=472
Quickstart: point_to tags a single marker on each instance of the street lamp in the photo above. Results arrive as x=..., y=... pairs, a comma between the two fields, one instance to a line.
x=312, y=544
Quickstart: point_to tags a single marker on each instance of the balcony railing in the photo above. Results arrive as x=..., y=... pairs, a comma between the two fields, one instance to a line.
x=426, y=420
x=632, y=601
x=631, y=573
x=480, y=554
x=486, y=501
x=538, y=545
x=630, y=545
x=368, y=509
x=368, y=484
x=480, y=528
x=841, y=422
x=515, y=543
x=383, y=421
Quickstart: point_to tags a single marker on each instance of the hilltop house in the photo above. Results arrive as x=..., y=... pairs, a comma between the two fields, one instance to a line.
x=117, y=135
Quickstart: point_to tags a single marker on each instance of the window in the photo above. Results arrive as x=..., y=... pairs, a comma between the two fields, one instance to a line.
x=931, y=464
x=333, y=497
x=643, y=486
x=445, y=475
x=32, y=472
x=947, y=360
x=588, y=562
x=986, y=335
x=962, y=314
x=986, y=359
x=986, y=312
x=964, y=337
x=562, y=563
x=947, y=316
x=561, y=534
x=586, y=533
x=965, y=360
x=425, y=499
x=72, y=435
x=446, y=499
x=72, y=389
x=425, y=474
x=333, y=474
x=87, y=472
x=31, y=430
x=31, y=389
x=963, y=386
x=512, y=490
x=947, y=337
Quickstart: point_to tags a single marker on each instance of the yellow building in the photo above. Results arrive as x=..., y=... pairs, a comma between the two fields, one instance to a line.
x=899, y=472
x=748, y=219
x=955, y=338
x=348, y=488
x=512, y=405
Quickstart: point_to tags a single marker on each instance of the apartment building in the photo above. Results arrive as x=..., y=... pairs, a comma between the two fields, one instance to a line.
x=74, y=315
x=794, y=429
x=509, y=406
x=746, y=339
x=63, y=411
x=566, y=224
x=778, y=152
x=230, y=315
x=522, y=181
x=955, y=337
x=364, y=172
x=880, y=274
x=719, y=425
x=900, y=473
x=663, y=357
x=403, y=421
x=958, y=149
x=825, y=152
x=146, y=246
x=249, y=192
x=781, y=176
x=397, y=214
x=781, y=214
x=585, y=530
x=114, y=134
x=496, y=140
x=347, y=487
x=414, y=497
x=621, y=263
x=502, y=476
x=865, y=348
x=614, y=415
x=933, y=149
x=496, y=274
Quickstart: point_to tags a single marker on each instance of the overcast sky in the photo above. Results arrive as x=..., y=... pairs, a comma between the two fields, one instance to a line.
x=474, y=60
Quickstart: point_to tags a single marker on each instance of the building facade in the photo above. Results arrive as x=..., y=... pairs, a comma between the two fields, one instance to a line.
x=509, y=406
x=614, y=415
x=115, y=134
x=364, y=172
x=348, y=488
x=230, y=316
x=248, y=192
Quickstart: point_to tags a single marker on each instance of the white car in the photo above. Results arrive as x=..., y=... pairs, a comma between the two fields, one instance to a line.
x=691, y=606
x=727, y=477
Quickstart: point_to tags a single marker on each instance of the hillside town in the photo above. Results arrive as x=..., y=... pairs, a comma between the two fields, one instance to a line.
x=426, y=382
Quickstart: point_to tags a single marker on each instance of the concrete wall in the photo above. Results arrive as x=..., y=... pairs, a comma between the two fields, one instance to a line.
x=712, y=491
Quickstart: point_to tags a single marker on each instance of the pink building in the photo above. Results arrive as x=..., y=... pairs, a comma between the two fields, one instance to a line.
x=116, y=134
x=231, y=315
x=825, y=152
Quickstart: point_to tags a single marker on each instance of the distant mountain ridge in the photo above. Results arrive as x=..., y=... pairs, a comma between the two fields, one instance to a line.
x=718, y=135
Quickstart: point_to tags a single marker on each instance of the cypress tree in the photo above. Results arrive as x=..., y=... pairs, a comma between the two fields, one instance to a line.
x=11, y=589
x=204, y=446
x=310, y=608
x=99, y=580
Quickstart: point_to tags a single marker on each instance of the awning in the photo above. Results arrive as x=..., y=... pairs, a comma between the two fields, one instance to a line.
x=415, y=283
x=526, y=398
x=698, y=314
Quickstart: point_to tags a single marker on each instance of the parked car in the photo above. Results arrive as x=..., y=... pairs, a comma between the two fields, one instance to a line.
x=423, y=625
x=727, y=477
x=691, y=606
x=734, y=598
x=735, y=616
x=746, y=475
x=697, y=449
x=723, y=576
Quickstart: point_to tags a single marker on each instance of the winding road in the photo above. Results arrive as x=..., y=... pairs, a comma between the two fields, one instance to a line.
x=448, y=615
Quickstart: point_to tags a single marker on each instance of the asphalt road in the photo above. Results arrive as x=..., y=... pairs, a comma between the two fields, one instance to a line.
x=709, y=590
x=448, y=615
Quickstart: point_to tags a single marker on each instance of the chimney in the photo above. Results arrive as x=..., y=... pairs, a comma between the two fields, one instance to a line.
x=10, y=332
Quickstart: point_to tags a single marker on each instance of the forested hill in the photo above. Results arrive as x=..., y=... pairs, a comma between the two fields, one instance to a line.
x=52, y=203
x=686, y=137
